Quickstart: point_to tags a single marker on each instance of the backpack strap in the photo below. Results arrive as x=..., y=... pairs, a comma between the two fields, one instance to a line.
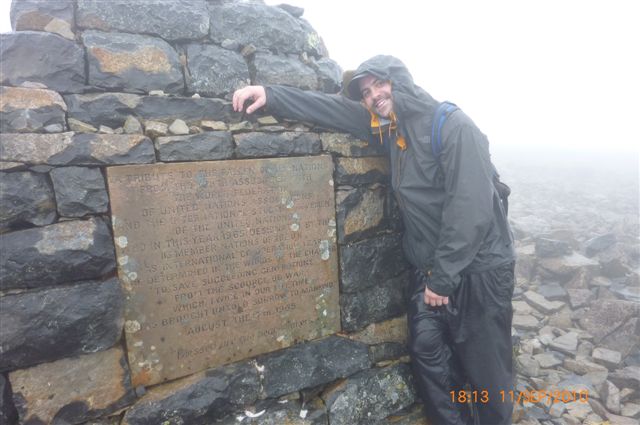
x=439, y=117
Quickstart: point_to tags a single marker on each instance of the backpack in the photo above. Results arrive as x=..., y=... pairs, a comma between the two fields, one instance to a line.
x=439, y=117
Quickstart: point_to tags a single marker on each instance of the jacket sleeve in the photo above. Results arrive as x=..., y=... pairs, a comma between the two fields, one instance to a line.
x=327, y=110
x=467, y=213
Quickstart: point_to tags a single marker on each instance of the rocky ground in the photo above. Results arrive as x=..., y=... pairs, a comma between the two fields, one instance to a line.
x=577, y=299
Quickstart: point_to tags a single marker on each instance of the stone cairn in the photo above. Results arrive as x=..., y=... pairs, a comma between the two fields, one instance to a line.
x=90, y=84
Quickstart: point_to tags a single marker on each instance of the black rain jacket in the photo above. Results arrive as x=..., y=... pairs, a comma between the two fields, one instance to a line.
x=453, y=217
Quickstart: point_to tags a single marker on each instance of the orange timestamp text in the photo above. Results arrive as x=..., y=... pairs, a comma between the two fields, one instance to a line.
x=530, y=396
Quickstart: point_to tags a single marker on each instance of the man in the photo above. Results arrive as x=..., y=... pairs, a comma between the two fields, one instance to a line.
x=456, y=232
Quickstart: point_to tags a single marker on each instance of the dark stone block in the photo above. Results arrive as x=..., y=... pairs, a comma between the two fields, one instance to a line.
x=371, y=396
x=370, y=262
x=198, y=399
x=133, y=63
x=171, y=20
x=387, y=351
x=55, y=323
x=272, y=69
x=8, y=413
x=26, y=199
x=25, y=110
x=268, y=28
x=329, y=74
x=80, y=191
x=99, y=149
x=43, y=58
x=112, y=109
x=311, y=364
x=63, y=252
x=283, y=144
x=383, y=301
x=361, y=212
x=214, y=71
x=209, y=145
x=358, y=171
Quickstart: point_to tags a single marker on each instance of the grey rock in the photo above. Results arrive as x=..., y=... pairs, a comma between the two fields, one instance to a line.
x=371, y=396
x=604, y=317
x=171, y=20
x=294, y=11
x=582, y=366
x=626, y=292
x=609, y=358
x=370, y=262
x=96, y=109
x=539, y=302
x=214, y=71
x=80, y=191
x=387, y=351
x=567, y=343
x=21, y=207
x=525, y=321
x=132, y=126
x=268, y=28
x=78, y=149
x=179, y=128
x=565, y=268
x=54, y=128
x=42, y=57
x=374, y=304
x=26, y=110
x=579, y=297
x=599, y=243
x=553, y=291
x=155, y=129
x=284, y=144
x=346, y=145
x=311, y=364
x=200, y=399
x=63, y=252
x=133, y=63
x=273, y=69
x=551, y=248
x=628, y=377
x=60, y=322
x=357, y=171
x=528, y=366
x=621, y=420
x=611, y=397
x=329, y=75
x=361, y=212
x=548, y=360
x=631, y=410
x=271, y=412
x=36, y=15
x=625, y=339
x=210, y=145
x=8, y=413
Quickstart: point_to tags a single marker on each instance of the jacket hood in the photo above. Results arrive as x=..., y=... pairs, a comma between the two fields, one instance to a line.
x=407, y=95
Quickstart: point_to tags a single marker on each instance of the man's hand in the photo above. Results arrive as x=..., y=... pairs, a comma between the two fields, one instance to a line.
x=255, y=93
x=433, y=299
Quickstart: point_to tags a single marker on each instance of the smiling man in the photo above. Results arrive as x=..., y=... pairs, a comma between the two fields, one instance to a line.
x=457, y=236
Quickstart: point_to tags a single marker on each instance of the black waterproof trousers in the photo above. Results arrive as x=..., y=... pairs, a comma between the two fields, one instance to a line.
x=467, y=342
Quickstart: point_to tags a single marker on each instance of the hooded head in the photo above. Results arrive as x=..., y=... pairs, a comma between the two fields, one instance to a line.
x=406, y=95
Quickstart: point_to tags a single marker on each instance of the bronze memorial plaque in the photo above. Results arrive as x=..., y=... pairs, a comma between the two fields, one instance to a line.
x=225, y=260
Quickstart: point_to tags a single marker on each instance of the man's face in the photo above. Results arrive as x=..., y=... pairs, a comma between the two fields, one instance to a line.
x=376, y=95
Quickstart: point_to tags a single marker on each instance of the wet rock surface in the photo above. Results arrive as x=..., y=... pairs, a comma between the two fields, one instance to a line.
x=54, y=323
x=63, y=252
x=576, y=314
x=24, y=208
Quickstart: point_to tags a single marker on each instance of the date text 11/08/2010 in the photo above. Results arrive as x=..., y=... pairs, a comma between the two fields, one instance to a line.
x=532, y=396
